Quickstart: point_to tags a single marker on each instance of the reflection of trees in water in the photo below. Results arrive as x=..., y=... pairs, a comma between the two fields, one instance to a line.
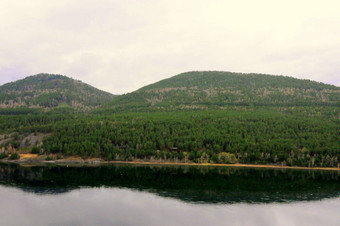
x=192, y=184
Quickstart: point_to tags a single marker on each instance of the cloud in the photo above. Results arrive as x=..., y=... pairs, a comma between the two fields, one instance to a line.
x=120, y=46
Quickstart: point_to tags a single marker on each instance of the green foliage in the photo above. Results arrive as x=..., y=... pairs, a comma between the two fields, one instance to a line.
x=257, y=136
x=216, y=90
x=21, y=121
x=48, y=91
x=3, y=155
x=14, y=156
x=218, y=117
x=35, y=150
x=49, y=158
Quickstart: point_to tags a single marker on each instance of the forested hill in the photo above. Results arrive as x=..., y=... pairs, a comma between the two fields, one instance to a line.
x=49, y=90
x=241, y=118
x=201, y=90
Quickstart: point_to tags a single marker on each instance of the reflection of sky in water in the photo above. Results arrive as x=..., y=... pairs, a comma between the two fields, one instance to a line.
x=112, y=206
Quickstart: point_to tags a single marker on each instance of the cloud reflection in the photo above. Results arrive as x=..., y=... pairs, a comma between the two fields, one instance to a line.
x=112, y=206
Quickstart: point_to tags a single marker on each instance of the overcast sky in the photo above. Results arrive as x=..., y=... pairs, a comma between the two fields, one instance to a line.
x=122, y=45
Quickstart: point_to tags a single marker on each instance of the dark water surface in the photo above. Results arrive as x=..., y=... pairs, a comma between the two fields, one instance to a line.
x=167, y=195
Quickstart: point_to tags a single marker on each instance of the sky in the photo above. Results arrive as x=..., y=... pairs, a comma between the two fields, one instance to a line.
x=122, y=45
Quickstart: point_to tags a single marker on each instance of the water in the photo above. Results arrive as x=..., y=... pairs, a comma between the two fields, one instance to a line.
x=167, y=195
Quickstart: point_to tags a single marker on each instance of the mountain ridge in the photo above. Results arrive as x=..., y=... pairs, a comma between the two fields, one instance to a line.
x=204, y=89
x=238, y=73
x=188, y=90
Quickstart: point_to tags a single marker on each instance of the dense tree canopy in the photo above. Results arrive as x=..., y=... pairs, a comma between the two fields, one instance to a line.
x=48, y=90
x=217, y=117
x=218, y=90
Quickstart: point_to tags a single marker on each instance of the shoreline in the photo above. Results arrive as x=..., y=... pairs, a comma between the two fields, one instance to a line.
x=238, y=165
x=76, y=161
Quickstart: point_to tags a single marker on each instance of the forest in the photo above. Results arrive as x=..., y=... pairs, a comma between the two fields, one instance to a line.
x=192, y=117
x=257, y=136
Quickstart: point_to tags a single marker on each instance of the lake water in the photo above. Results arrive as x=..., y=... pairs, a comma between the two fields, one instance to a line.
x=167, y=195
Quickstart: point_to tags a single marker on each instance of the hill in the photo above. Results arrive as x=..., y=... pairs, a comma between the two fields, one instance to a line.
x=207, y=89
x=49, y=90
x=236, y=118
